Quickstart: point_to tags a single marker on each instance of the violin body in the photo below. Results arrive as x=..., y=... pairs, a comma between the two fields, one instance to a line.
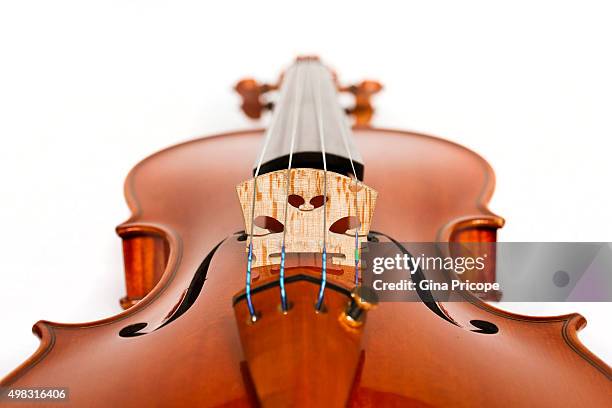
x=179, y=344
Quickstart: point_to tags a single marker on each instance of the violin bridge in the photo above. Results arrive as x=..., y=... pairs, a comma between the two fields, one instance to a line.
x=349, y=207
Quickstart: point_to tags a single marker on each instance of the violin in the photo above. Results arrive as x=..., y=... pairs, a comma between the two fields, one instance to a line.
x=244, y=283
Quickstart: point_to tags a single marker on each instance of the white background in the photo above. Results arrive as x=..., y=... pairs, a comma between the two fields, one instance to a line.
x=88, y=88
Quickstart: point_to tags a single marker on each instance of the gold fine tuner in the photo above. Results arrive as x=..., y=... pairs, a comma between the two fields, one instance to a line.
x=363, y=299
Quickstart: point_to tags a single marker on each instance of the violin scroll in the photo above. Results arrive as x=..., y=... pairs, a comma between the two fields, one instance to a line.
x=254, y=104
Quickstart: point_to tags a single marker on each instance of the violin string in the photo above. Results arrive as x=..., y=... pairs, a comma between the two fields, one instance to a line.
x=344, y=126
x=319, y=116
x=267, y=138
x=297, y=100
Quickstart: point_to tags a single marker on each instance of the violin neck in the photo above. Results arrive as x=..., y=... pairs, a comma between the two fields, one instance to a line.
x=309, y=122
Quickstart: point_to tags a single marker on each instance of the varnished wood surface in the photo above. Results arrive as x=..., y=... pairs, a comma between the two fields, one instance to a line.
x=300, y=358
x=145, y=256
x=411, y=356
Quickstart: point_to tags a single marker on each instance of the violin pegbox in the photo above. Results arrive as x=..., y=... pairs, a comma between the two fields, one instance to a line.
x=349, y=207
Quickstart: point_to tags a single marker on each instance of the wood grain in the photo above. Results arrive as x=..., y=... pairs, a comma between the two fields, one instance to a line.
x=305, y=232
x=411, y=356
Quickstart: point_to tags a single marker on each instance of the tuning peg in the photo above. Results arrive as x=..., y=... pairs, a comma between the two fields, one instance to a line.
x=363, y=109
x=251, y=92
